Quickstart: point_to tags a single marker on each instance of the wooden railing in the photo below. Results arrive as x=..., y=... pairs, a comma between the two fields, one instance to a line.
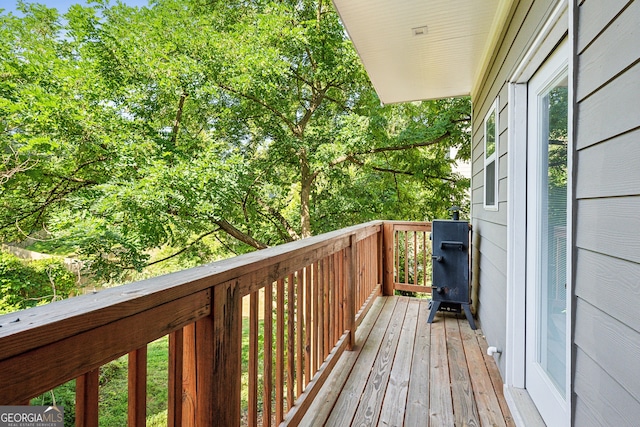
x=304, y=300
x=408, y=259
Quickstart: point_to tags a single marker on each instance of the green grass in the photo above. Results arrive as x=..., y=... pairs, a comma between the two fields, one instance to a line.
x=52, y=247
x=64, y=395
x=113, y=387
x=113, y=402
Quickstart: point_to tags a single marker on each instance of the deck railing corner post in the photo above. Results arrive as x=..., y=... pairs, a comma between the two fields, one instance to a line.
x=387, y=259
x=218, y=359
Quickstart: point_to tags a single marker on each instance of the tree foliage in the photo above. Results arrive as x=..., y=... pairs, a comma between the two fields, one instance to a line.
x=251, y=123
x=25, y=284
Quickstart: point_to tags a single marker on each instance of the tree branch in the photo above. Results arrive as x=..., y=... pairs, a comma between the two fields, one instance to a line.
x=399, y=172
x=316, y=100
x=288, y=122
x=158, y=261
x=239, y=235
x=9, y=172
x=176, y=124
x=408, y=146
x=280, y=219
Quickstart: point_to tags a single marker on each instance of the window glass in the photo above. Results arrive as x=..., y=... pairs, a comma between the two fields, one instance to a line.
x=490, y=133
x=491, y=158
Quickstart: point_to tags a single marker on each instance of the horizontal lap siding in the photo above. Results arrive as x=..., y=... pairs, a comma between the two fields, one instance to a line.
x=606, y=401
x=490, y=226
x=607, y=258
x=611, y=169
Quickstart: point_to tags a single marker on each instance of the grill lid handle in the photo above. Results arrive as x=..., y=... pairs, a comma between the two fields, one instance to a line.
x=455, y=244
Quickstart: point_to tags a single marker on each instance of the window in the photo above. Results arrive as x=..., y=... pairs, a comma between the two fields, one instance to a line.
x=491, y=158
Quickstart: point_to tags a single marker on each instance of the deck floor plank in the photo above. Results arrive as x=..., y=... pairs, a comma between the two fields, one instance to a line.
x=371, y=400
x=494, y=374
x=395, y=400
x=440, y=399
x=404, y=371
x=349, y=398
x=418, y=396
x=320, y=409
x=485, y=395
x=464, y=406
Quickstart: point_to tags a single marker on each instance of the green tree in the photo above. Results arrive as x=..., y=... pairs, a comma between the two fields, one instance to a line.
x=25, y=284
x=252, y=123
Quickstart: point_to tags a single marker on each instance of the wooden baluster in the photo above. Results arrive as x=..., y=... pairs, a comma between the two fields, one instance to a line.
x=321, y=325
x=316, y=323
x=375, y=263
x=406, y=257
x=87, y=391
x=280, y=352
x=415, y=258
x=299, y=331
x=176, y=351
x=396, y=273
x=308, y=299
x=325, y=309
x=189, y=380
x=138, y=388
x=341, y=295
x=350, y=312
x=331, y=290
x=363, y=247
x=291, y=339
x=380, y=253
x=424, y=259
x=253, y=360
x=370, y=272
x=268, y=356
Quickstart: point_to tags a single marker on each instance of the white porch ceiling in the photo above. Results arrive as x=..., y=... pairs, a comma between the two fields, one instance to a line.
x=442, y=62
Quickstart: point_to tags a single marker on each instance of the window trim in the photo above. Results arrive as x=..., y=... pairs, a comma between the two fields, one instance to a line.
x=493, y=158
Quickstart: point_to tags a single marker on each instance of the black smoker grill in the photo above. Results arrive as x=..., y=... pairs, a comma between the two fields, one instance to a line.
x=450, y=271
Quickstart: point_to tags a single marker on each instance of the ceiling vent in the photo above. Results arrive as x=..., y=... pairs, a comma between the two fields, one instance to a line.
x=419, y=31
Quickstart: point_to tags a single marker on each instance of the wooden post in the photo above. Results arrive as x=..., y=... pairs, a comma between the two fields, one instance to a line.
x=350, y=311
x=138, y=388
x=387, y=256
x=87, y=387
x=176, y=363
x=218, y=359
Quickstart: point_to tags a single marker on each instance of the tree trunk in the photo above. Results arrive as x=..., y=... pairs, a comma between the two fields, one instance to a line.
x=306, y=179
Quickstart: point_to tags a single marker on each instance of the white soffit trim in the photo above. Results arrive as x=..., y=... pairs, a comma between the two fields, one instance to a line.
x=422, y=49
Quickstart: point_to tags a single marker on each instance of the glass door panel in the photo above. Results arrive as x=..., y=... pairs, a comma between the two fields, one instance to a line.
x=552, y=237
x=548, y=180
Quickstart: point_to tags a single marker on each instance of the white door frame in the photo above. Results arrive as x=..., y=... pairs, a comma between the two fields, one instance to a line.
x=550, y=401
x=560, y=22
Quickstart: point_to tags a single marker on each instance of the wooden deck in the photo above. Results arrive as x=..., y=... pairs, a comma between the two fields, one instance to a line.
x=405, y=371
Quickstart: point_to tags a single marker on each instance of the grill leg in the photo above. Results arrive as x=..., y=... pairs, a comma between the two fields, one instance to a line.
x=467, y=312
x=434, y=308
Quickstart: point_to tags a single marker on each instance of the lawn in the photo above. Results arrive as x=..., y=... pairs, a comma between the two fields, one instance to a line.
x=113, y=387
